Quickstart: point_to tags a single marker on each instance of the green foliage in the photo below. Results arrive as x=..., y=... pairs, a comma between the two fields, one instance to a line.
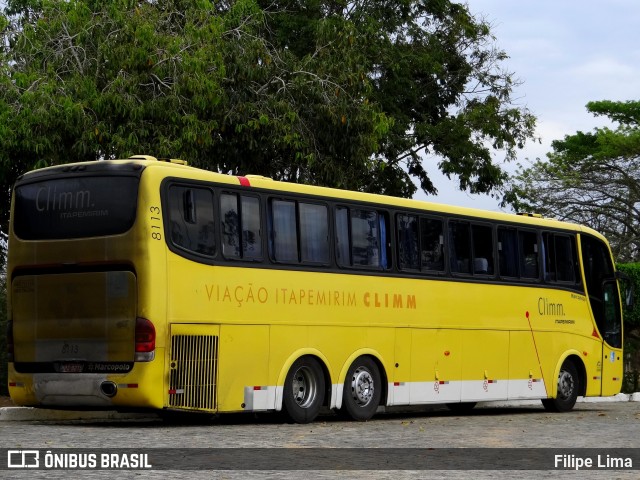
x=429, y=67
x=632, y=314
x=4, y=387
x=591, y=178
x=356, y=95
x=632, y=329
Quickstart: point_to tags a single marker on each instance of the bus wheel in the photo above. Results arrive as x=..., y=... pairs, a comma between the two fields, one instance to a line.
x=568, y=387
x=303, y=390
x=362, y=389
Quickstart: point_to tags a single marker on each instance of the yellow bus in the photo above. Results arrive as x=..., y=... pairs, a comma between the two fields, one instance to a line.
x=143, y=283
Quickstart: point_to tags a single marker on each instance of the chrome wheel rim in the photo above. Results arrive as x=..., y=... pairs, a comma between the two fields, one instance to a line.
x=305, y=387
x=362, y=386
x=565, y=384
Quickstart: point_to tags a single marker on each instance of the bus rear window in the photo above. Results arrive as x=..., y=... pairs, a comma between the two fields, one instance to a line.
x=75, y=207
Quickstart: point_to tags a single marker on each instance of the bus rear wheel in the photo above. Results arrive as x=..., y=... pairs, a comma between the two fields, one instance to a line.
x=362, y=390
x=303, y=390
x=568, y=387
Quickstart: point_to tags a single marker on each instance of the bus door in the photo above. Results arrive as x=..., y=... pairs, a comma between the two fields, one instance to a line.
x=604, y=300
x=610, y=326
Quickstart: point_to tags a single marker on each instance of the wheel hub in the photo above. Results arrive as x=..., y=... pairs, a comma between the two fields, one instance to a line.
x=362, y=386
x=565, y=385
x=304, y=387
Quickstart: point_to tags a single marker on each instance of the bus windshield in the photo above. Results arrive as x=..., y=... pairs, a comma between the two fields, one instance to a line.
x=77, y=207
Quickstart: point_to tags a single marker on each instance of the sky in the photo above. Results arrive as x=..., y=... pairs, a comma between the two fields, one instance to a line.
x=567, y=53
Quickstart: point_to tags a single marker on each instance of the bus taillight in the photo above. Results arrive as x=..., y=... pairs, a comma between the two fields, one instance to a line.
x=145, y=340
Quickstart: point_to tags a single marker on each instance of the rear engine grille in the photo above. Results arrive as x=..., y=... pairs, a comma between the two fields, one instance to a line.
x=194, y=372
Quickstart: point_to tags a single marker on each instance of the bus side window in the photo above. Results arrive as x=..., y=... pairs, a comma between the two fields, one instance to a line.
x=343, y=249
x=192, y=219
x=459, y=247
x=528, y=243
x=362, y=238
x=408, y=245
x=365, y=246
x=560, y=258
x=314, y=233
x=432, y=244
x=298, y=232
x=385, y=240
x=566, y=262
x=251, y=235
x=284, y=231
x=508, y=252
x=549, y=257
x=482, y=240
x=240, y=226
x=230, y=225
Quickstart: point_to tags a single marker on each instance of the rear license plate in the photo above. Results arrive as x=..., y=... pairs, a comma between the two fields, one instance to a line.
x=70, y=367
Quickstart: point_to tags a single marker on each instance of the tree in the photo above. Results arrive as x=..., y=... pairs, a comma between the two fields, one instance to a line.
x=435, y=72
x=352, y=94
x=592, y=179
x=4, y=322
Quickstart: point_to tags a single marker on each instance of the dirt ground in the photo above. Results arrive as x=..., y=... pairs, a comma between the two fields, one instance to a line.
x=5, y=401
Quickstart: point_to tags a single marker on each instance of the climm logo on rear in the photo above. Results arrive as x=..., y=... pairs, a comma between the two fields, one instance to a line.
x=70, y=204
x=50, y=200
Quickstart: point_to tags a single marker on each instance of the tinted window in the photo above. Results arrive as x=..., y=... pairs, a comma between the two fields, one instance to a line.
x=471, y=248
x=191, y=219
x=460, y=247
x=420, y=243
x=240, y=226
x=528, y=244
x=560, y=258
x=508, y=256
x=299, y=232
x=251, y=234
x=432, y=244
x=75, y=207
x=365, y=246
x=284, y=233
x=314, y=233
x=361, y=238
x=343, y=251
x=482, y=249
x=517, y=253
x=408, y=244
x=565, y=259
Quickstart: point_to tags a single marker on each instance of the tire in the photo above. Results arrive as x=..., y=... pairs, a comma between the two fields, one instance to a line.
x=568, y=388
x=362, y=390
x=303, y=390
x=461, y=407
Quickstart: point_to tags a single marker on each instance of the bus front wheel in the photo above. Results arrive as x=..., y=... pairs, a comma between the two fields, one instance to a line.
x=568, y=387
x=362, y=389
x=303, y=390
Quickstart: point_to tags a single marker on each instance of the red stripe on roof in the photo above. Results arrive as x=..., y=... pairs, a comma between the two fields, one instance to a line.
x=244, y=181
